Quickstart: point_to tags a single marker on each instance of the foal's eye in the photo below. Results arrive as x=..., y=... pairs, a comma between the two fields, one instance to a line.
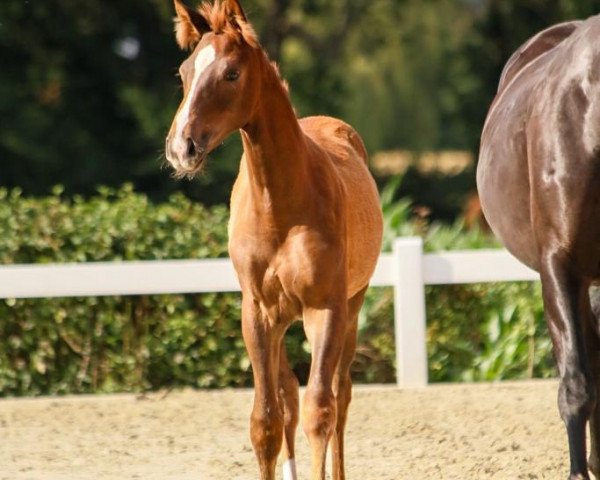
x=232, y=75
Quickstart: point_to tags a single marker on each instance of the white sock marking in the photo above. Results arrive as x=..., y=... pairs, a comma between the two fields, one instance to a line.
x=289, y=470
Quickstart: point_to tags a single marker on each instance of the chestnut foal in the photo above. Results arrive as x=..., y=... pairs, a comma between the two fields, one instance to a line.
x=539, y=182
x=304, y=234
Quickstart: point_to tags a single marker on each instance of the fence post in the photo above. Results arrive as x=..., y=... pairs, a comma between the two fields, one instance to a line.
x=409, y=313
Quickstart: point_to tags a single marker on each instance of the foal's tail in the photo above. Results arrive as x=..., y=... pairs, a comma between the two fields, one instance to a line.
x=329, y=130
x=354, y=139
x=358, y=144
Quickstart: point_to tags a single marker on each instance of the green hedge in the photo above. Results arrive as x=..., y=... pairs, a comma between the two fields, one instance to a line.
x=115, y=343
x=475, y=332
x=134, y=343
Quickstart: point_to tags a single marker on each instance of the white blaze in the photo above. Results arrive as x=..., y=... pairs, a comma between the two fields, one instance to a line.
x=205, y=57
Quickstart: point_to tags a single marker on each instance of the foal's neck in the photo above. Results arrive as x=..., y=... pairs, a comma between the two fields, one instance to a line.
x=275, y=150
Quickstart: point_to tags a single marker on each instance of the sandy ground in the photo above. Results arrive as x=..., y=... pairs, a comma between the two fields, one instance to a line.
x=501, y=431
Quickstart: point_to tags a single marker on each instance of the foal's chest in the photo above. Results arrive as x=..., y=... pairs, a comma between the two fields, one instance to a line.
x=285, y=276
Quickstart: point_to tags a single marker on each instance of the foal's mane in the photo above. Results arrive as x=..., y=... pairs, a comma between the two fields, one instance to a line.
x=222, y=21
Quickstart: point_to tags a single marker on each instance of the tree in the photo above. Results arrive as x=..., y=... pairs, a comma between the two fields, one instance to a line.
x=88, y=88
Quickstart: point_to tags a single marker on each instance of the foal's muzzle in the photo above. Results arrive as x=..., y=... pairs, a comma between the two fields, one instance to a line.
x=185, y=155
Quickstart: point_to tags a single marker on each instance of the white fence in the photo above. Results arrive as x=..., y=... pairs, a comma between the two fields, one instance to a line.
x=407, y=269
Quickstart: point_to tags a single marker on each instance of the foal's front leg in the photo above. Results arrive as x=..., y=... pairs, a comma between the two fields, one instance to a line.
x=325, y=329
x=263, y=342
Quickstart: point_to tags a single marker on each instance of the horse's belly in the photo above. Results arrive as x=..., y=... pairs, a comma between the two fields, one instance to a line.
x=503, y=185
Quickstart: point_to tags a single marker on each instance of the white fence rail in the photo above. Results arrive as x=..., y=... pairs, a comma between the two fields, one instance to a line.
x=406, y=269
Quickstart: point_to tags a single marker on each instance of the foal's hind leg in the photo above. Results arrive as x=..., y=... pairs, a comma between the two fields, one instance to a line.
x=342, y=385
x=562, y=293
x=593, y=349
x=288, y=396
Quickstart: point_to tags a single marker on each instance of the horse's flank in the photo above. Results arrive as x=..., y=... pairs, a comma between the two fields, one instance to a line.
x=523, y=113
x=534, y=47
x=539, y=182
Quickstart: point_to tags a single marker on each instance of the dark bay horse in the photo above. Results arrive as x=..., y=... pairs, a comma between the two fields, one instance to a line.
x=304, y=234
x=539, y=182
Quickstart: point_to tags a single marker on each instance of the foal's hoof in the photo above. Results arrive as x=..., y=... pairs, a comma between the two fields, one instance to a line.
x=579, y=476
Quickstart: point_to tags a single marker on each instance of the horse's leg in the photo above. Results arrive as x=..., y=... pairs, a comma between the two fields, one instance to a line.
x=266, y=421
x=562, y=294
x=325, y=330
x=342, y=385
x=593, y=349
x=288, y=395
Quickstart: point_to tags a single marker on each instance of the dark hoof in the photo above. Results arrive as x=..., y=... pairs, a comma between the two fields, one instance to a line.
x=594, y=466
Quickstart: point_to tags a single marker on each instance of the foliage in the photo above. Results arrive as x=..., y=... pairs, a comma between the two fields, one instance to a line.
x=474, y=332
x=88, y=88
x=101, y=344
x=115, y=343
x=409, y=76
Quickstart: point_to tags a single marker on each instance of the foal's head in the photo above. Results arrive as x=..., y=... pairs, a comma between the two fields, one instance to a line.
x=221, y=81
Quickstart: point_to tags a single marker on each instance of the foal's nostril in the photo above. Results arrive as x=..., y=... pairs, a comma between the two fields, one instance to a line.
x=191, y=148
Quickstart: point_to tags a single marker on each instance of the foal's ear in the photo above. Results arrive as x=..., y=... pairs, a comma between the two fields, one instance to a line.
x=234, y=9
x=190, y=25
